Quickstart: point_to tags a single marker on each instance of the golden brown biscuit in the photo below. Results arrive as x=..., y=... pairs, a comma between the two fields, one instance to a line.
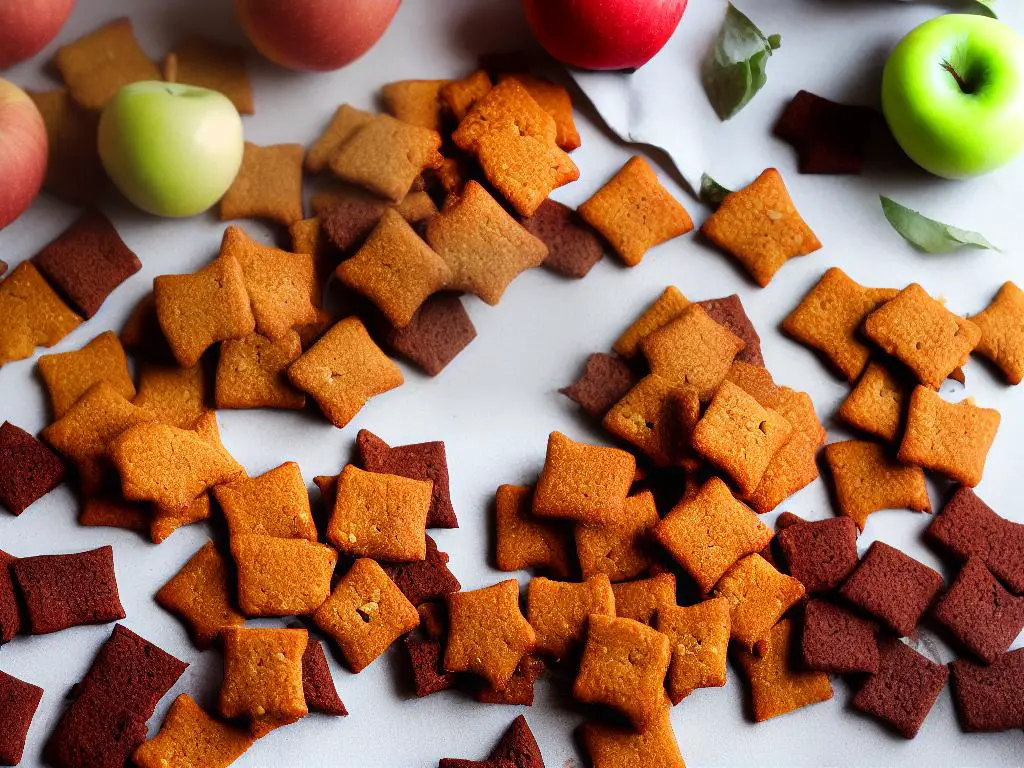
x=558, y=611
x=69, y=375
x=275, y=503
x=417, y=102
x=268, y=185
x=176, y=396
x=1002, y=332
x=525, y=541
x=281, y=577
x=877, y=405
x=614, y=746
x=459, y=96
x=345, y=122
x=555, y=100
x=34, y=316
x=758, y=596
x=656, y=416
x=666, y=308
x=623, y=548
x=189, y=738
x=252, y=372
x=642, y=599
x=263, y=676
x=700, y=642
x=198, y=61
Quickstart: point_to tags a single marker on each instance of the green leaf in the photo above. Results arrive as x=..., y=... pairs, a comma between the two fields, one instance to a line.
x=733, y=70
x=929, y=235
x=711, y=192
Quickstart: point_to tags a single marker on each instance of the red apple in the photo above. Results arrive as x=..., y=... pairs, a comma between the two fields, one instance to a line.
x=22, y=151
x=317, y=35
x=604, y=34
x=26, y=26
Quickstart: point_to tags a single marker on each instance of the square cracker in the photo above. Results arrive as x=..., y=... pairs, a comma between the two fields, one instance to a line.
x=700, y=642
x=263, y=676
x=345, y=122
x=198, y=61
x=459, y=96
x=525, y=541
x=904, y=690
x=555, y=100
x=74, y=172
x=281, y=577
x=33, y=314
x=69, y=375
x=275, y=503
x=877, y=405
x=268, y=185
x=417, y=102
x=558, y=611
x=1002, y=332
x=662, y=311
x=252, y=372
x=435, y=336
x=191, y=737
x=176, y=396
x=657, y=417
x=623, y=549
x=28, y=471
x=642, y=599
x=614, y=746
x=758, y=596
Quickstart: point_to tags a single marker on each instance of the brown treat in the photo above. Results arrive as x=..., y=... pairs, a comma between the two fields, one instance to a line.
x=621, y=549
x=175, y=396
x=433, y=619
x=281, y=577
x=345, y=122
x=612, y=746
x=95, y=67
x=306, y=236
x=28, y=469
x=699, y=635
x=828, y=137
x=427, y=579
x=365, y=614
x=572, y=247
x=952, y=439
x=866, y=480
x=990, y=697
x=348, y=214
x=624, y=666
x=200, y=594
x=760, y=227
x=94, y=734
x=777, y=686
x=274, y=504
x=252, y=372
x=268, y=185
x=190, y=738
x=438, y=332
x=1002, y=332
x=166, y=520
x=109, y=510
x=728, y=311
x=583, y=483
x=263, y=676
x=787, y=520
x=450, y=177
x=425, y=657
x=74, y=172
x=141, y=334
x=836, y=640
x=669, y=306
x=605, y=381
x=519, y=690
x=828, y=320
x=198, y=61
x=3, y=267
x=820, y=555
x=417, y=102
x=904, y=690
x=558, y=611
x=758, y=596
x=634, y=212
x=10, y=613
x=555, y=100
x=488, y=634
x=18, y=703
x=517, y=747
x=485, y=248
x=968, y=527
x=459, y=96
x=648, y=417
x=524, y=541
x=893, y=587
x=877, y=404
x=87, y=262
x=641, y=600
x=982, y=616
x=709, y=530
x=33, y=314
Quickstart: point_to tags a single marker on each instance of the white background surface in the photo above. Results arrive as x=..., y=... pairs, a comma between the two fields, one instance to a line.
x=496, y=403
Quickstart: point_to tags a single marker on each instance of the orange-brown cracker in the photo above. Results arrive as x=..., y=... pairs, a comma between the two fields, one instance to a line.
x=268, y=185
x=73, y=169
x=758, y=596
x=417, y=102
x=777, y=684
x=365, y=614
x=584, y=483
x=485, y=248
x=107, y=510
x=760, y=227
x=922, y=334
x=613, y=746
x=666, y=308
x=198, y=61
x=306, y=236
x=624, y=666
x=699, y=635
x=649, y=417
x=524, y=541
x=488, y=635
x=263, y=676
x=166, y=520
x=1002, y=332
x=176, y=396
x=555, y=100
x=634, y=212
x=950, y=438
x=866, y=480
x=380, y=516
x=641, y=600
x=558, y=611
x=709, y=530
x=190, y=738
x=693, y=350
x=200, y=594
x=459, y=96
x=252, y=372
x=95, y=67
x=343, y=370
x=621, y=549
x=275, y=503
x=345, y=122
x=281, y=577
x=34, y=316
x=69, y=375
x=878, y=403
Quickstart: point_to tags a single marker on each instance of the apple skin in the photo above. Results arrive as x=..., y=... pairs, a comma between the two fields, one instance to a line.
x=23, y=150
x=26, y=26
x=947, y=131
x=315, y=35
x=603, y=34
x=172, y=149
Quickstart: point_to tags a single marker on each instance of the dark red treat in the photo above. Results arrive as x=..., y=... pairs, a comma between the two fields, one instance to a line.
x=92, y=734
x=573, y=248
x=828, y=137
x=728, y=311
x=980, y=613
x=820, y=554
x=425, y=657
x=454, y=762
x=62, y=591
x=836, y=640
x=787, y=519
x=28, y=469
x=424, y=580
x=990, y=698
x=10, y=614
x=519, y=691
x=18, y=703
x=438, y=332
x=420, y=461
x=518, y=746
x=904, y=689
x=87, y=262
x=606, y=379
x=968, y=527
x=317, y=683
x=892, y=587
x=3, y=267
x=348, y=223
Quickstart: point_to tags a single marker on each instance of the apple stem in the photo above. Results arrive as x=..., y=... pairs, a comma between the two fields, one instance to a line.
x=956, y=76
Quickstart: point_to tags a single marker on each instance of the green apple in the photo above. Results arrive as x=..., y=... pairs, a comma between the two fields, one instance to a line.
x=953, y=95
x=171, y=149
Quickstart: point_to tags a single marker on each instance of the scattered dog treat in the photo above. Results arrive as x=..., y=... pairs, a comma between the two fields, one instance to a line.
x=758, y=596
x=268, y=185
x=517, y=749
x=437, y=333
x=92, y=732
x=428, y=579
x=622, y=549
x=1001, y=339
x=74, y=172
x=836, y=640
x=198, y=61
x=525, y=541
x=263, y=676
x=252, y=372
x=166, y=520
x=558, y=611
x=281, y=577
x=877, y=405
x=641, y=600
x=555, y=100
x=348, y=214
x=177, y=396
x=573, y=249
x=10, y=612
x=275, y=503
x=657, y=417
x=69, y=375
x=728, y=311
x=611, y=746
x=417, y=102
x=519, y=691
x=828, y=137
x=28, y=469
x=820, y=554
x=605, y=381
x=459, y=96
x=700, y=640
x=669, y=306
x=34, y=315
x=317, y=683
x=191, y=738
x=345, y=122
x=990, y=697
x=18, y=703
x=425, y=658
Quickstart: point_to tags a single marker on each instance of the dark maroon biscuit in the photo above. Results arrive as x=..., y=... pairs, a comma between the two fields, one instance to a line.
x=18, y=703
x=518, y=746
x=893, y=587
x=573, y=248
x=606, y=379
x=438, y=332
x=990, y=698
x=3, y=267
x=904, y=689
x=350, y=221
x=787, y=519
x=420, y=461
x=87, y=262
x=425, y=657
x=28, y=469
x=836, y=640
x=728, y=311
x=62, y=591
x=454, y=762
x=979, y=612
x=92, y=734
x=820, y=554
x=828, y=137
x=968, y=527
x=318, y=684
x=10, y=613
x=519, y=690
x=424, y=580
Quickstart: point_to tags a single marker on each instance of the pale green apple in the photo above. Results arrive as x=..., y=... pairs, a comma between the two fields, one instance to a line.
x=953, y=95
x=171, y=149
